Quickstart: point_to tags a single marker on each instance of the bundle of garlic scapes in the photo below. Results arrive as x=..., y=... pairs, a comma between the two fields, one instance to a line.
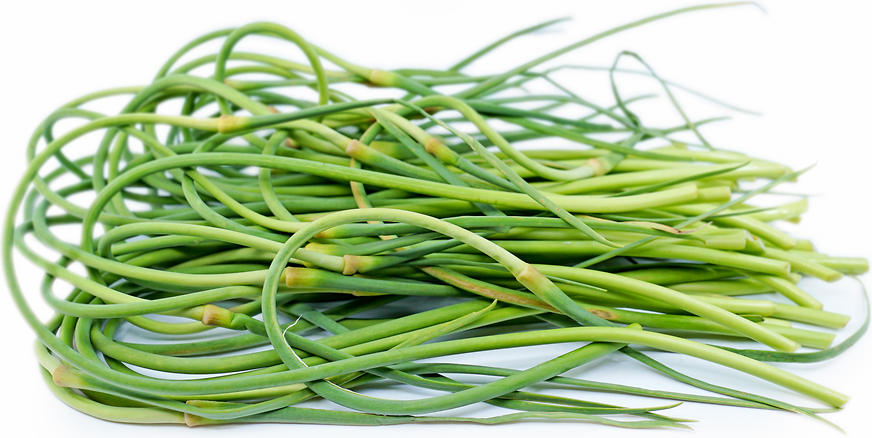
x=355, y=238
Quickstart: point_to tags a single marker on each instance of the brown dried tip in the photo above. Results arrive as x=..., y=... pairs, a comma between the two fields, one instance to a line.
x=272, y=109
x=66, y=376
x=217, y=316
x=604, y=314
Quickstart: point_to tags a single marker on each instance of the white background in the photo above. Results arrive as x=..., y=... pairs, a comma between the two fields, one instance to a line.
x=804, y=65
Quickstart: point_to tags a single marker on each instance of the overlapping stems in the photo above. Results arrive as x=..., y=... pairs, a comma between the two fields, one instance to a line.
x=358, y=206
